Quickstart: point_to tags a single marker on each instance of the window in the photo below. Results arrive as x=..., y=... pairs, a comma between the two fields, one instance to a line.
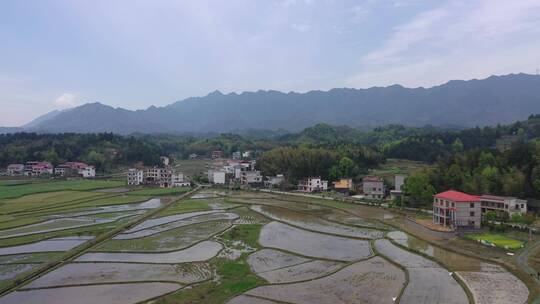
x=472, y=205
x=471, y=213
x=453, y=205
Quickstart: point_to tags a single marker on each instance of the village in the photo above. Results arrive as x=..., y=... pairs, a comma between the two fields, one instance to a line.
x=452, y=210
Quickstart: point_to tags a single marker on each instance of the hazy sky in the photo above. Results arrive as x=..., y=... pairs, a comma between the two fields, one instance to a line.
x=133, y=54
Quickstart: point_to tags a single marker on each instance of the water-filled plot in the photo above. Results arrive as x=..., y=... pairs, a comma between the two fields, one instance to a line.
x=371, y=281
x=428, y=282
x=99, y=273
x=199, y=252
x=110, y=294
x=311, y=222
x=281, y=236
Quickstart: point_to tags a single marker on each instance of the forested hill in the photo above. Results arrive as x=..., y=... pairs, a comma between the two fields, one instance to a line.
x=490, y=101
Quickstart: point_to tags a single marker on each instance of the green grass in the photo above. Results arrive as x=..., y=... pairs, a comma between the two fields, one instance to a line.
x=235, y=278
x=12, y=191
x=249, y=234
x=33, y=202
x=498, y=240
x=160, y=191
x=191, y=205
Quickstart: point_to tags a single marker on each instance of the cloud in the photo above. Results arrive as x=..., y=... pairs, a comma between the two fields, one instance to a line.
x=456, y=26
x=66, y=100
x=302, y=28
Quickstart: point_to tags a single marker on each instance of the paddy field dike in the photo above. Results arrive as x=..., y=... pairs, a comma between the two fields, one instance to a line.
x=86, y=242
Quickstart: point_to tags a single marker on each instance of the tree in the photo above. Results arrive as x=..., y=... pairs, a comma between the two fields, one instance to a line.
x=457, y=145
x=491, y=216
x=418, y=188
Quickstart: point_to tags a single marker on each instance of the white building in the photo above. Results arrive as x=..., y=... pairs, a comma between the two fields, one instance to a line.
x=165, y=160
x=247, y=154
x=399, y=181
x=250, y=177
x=135, y=177
x=502, y=204
x=274, y=181
x=177, y=180
x=15, y=169
x=236, y=155
x=88, y=172
x=216, y=177
x=312, y=184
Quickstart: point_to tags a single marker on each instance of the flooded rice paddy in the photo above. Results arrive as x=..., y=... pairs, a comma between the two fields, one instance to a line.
x=110, y=294
x=282, y=236
x=301, y=252
x=200, y=252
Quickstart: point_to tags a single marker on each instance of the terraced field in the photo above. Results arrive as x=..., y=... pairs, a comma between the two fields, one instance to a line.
x=227, y=247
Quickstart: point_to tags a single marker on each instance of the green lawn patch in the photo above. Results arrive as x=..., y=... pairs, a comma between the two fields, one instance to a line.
x=249, y=234
x=498, y=240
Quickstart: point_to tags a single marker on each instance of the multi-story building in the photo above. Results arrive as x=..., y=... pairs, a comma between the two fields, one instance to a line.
x=135, y=177
x=236, y=155
x=15, y=169
x=75, y=169
x=373, y=187
x=502, y=204
x=251, y=177
x=312, y=184
x=177, y=180
x=36, y=168
x=455, y=210
x=217, y=154
x=216, y=177
x=165, y=161
x=274, y=181
x=344, y=185
x=158, y=176
x=399, y=181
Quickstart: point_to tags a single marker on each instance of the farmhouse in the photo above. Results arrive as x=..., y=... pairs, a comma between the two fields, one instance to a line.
x=373, y=187
x=502, y=204
x=135, y=177
x=75, y=169
x=312, y=184
x=344, y=185
x=36, y=168
x=15, y=169
x=457, y=210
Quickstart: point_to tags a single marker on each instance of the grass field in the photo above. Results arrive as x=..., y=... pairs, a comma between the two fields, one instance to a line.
x=160, y=191
x=8, y=190
x=498, y=240
x=397, y=166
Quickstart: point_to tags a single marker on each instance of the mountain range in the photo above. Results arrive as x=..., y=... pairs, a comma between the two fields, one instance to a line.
x=457, y=103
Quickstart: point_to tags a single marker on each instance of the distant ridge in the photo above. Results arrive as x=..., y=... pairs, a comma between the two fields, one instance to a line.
x=457, y=103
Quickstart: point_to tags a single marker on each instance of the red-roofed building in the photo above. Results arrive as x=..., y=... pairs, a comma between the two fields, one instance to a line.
x=456, y=210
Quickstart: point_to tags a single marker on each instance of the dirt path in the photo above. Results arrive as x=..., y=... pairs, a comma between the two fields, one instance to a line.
x=522, y=261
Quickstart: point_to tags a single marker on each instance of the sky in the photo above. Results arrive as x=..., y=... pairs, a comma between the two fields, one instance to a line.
x=56, y=54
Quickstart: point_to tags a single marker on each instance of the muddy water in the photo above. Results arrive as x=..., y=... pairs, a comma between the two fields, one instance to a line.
x=110, y=294
x=200, y=252
x=270, y=259
x=373, y=281
x=428, y=282
x=165, y=220
x=315, y=223
x=456, y=261
x=245, y=299
x=57, y=244
x=98, y=273
x=8, y=272
x=176, y=224
x=301, y=272
x=282, y=236
x=175, y=239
